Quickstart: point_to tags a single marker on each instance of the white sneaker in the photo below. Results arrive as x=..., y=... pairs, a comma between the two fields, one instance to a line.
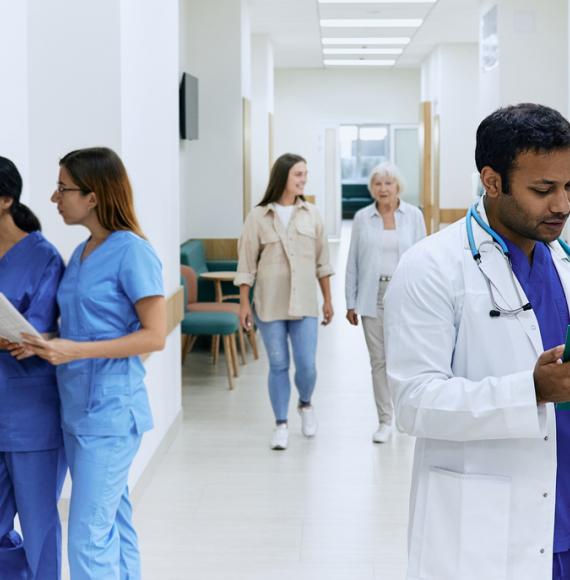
x=309, y=424
x=280, y=437
x=382, y=434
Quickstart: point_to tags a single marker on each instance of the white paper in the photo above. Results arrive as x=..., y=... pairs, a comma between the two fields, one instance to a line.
x=12, y=323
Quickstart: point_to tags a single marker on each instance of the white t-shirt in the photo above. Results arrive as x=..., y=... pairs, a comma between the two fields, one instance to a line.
x=390, y=252
x=284, y=212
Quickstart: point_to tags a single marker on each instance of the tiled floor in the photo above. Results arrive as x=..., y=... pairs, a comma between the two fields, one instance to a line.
x=223, y=506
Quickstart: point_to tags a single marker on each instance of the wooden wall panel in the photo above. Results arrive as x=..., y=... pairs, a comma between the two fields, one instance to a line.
x=221, y=249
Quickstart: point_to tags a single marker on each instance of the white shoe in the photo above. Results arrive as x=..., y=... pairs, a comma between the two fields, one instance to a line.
x=382, y=434
x=309, y=424
x=280, y=437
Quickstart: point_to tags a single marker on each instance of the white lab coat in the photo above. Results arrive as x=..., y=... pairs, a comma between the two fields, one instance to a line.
x=484, y=475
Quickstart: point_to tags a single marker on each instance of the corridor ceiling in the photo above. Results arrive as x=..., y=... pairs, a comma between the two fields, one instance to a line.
x=295, y=31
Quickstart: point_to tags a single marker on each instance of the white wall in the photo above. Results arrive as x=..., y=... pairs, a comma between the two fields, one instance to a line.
x=102, y=73
x=262, y=103
x=308, y=101
x=149, y=131
x=211, y=168
x=74, y=95
x=450, y=81
x=533, y=55
x=14, y=136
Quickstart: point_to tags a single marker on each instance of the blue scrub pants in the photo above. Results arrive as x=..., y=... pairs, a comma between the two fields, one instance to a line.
x=30, y=485
x=561, y=566
x=102, y=543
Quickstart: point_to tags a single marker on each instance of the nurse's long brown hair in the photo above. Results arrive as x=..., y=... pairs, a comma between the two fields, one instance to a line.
x=101, y=171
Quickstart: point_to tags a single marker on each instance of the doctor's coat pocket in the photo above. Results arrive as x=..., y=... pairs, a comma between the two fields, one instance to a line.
x=466, y=527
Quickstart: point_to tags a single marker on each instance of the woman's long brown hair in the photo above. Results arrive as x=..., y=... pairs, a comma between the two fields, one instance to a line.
x=101, y=171
x=279, y=176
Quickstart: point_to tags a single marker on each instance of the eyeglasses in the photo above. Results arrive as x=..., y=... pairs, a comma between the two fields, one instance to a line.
x=62, y=189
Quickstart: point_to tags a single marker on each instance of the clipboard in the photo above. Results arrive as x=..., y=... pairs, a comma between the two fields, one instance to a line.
x=12, y=323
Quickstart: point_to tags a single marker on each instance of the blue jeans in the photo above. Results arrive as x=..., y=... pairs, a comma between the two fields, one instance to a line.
x=303, y=334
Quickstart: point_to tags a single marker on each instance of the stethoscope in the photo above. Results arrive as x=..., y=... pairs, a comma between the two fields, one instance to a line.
x=497, y=242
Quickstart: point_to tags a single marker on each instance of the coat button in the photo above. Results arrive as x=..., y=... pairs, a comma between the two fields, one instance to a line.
x=546, y=437
x=542, y=550
x=545, y=494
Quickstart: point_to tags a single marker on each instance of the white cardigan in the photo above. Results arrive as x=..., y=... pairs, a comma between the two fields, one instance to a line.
x=364, y=265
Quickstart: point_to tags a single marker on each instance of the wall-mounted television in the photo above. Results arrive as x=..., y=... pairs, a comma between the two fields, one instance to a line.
x=188, y=107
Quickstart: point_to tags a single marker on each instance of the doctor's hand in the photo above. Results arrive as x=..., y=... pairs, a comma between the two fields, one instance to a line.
x=56, y=351
x=352, y=317
x=552, y=377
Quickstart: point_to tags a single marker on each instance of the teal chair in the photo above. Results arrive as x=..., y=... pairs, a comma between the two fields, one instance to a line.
x=224, y=324
x=193, y=254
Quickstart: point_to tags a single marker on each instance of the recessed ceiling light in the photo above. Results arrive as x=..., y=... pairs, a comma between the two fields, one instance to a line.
x=362, y=51
x=366, y=41
x=371, y=22
x=359, y=62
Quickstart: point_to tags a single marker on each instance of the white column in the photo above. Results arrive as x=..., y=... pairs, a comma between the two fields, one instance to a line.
x=261, y=108
x=211, y=168
x=449, y=80
x=150, y=150
x=532, y=55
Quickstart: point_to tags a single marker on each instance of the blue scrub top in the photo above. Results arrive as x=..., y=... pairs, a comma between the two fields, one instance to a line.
x=542, y=286
x=29, y=404
x=97, y=299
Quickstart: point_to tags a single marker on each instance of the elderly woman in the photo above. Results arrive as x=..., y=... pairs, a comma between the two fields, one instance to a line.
x=381, y=233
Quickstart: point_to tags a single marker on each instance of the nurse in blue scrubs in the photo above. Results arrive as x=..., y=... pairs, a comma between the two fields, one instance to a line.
x=32, y=467
x=112, y=310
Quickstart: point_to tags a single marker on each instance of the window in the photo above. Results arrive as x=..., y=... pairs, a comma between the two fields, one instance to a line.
x=362, y=147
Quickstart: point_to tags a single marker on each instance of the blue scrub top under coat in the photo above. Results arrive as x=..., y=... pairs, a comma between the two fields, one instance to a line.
x=97, y=299
x=29, y=404
x=542, y=286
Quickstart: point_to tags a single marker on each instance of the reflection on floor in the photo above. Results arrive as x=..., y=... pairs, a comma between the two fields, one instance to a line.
x=225, y=507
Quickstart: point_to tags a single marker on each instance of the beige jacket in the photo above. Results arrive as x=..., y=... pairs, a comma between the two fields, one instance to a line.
x=285, y=264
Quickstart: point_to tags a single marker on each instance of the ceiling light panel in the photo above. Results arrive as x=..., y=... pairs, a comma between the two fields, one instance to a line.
x=371, y=23
x=358, y=62
x=366, y=40
x=362, y=51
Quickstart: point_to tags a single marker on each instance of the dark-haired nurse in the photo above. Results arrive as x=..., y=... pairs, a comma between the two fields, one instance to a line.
x=32, y=467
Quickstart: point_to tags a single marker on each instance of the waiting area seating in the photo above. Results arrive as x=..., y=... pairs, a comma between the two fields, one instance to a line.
x=193, y=254
x=208, y=317
x=355, y=196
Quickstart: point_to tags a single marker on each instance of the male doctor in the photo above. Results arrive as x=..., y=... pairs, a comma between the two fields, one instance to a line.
x=474, y=324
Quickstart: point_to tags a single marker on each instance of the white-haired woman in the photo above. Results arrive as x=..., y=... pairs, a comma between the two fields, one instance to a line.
x=381, y=233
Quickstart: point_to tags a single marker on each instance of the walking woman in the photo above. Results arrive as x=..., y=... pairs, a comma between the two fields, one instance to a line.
x=381, y=233
x=283, y=250
x=32, y=466
x=112, y=310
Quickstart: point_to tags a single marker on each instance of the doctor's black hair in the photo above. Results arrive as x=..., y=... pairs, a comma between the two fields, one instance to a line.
x=11, y=187
x=510, y=131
